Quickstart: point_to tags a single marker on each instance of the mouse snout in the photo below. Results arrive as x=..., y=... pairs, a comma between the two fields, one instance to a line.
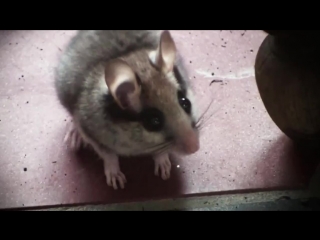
x=191, y=145
x=189, y=142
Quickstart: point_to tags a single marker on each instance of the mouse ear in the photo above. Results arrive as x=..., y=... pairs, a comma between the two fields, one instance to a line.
x=123, y=85
x=164, y=57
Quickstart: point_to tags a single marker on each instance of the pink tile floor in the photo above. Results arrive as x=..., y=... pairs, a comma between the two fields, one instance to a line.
x=242, y=149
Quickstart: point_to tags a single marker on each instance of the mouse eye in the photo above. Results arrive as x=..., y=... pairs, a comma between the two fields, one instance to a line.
x=152, y=119
x=184, y=102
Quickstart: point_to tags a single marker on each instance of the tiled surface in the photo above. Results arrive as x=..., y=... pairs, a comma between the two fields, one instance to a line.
x=242, y=149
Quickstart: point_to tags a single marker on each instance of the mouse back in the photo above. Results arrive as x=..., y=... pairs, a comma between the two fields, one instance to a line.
x=90, y=47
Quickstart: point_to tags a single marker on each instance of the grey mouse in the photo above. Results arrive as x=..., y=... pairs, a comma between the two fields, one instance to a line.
x=128, y=94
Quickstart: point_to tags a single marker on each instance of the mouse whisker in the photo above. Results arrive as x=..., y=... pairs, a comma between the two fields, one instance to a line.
x=158, y=147
x=201, y=119
x=164, y=148
x=203, y=124
x=203, y=114
x=203, y=127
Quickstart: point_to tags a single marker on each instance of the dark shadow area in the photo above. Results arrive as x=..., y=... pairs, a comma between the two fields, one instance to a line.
x=297, y=163
x=86, y=182
x=142, y=184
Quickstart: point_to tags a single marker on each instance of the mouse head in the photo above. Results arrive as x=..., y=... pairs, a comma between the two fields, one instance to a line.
x=147, y=84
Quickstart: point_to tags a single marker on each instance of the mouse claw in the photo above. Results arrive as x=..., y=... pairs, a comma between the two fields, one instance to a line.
x=162, y=166
x=73, y=139
x=114, y=176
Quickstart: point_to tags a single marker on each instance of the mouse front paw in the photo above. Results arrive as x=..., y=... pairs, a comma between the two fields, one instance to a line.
x=73, y=138
x=162, y=166
x=115, y=176
x=113, y=173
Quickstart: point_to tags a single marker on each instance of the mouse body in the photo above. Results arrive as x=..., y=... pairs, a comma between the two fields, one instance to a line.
x=129, y=95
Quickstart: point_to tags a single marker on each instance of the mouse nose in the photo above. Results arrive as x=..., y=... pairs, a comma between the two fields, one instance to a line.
x=191, y=146
x=190, y=142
